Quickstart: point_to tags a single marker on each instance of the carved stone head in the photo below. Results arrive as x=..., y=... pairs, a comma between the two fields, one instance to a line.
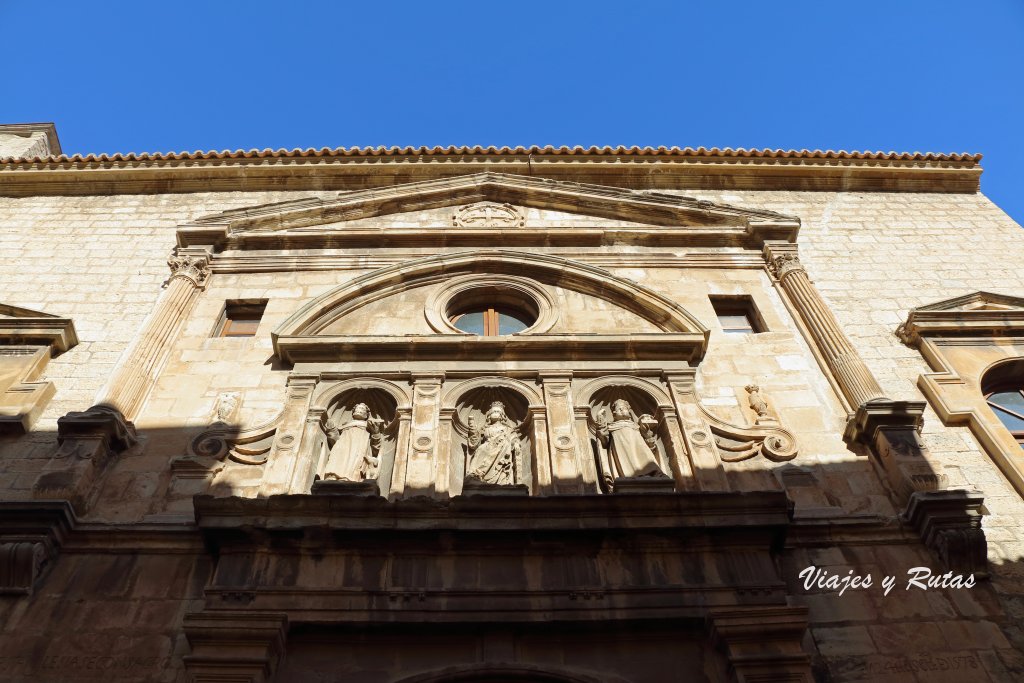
x=621, y=410
x=360, y=411
x=496, y=412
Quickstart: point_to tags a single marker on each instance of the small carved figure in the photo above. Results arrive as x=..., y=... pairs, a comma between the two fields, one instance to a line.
x=757, y=402
x=630, y=442
x=356, y=444
x=226, y=405
x=494, y=449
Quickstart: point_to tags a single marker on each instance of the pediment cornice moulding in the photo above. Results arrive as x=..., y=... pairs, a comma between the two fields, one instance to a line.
x=980, y=314
x=357, y=169
x=675, y=218
x=26, y=326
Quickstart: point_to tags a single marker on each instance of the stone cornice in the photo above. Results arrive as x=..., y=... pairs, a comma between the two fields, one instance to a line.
x=25, y=326
x=684, y=347
x=483, y=513
x=358, y=169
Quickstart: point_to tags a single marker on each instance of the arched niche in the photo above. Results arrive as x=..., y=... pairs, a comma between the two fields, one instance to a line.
x=645, y=410
x=469, y=408
x=338, y=407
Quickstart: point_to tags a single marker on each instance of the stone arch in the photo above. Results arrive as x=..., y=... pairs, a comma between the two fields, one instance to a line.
x=453, y=392
x=553, y=270
x=586, y=392
x=328, y=395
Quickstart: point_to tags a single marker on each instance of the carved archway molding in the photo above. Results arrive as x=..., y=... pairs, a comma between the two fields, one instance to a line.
x=330, y=391
x=457, y=389
x=297, y=337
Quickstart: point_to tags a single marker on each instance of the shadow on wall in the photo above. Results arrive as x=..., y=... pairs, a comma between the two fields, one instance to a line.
x=140, y=557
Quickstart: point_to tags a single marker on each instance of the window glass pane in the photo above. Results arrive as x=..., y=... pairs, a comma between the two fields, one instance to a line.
x=1014, y=424
x=1011, y=399
x=470, y=322
x=510, y=324
x=735, y=323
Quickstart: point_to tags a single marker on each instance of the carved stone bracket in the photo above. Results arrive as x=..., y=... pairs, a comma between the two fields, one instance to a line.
x=949, y=522
x=31, y=534
x=242, y=647
x=86, y=442
x=762, y=643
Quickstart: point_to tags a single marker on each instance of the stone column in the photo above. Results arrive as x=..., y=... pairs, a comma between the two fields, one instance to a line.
x=705, y=465
x=566, y=470
x=132, y=379
x=291, y=450
x=889, y=428
x=421, y=465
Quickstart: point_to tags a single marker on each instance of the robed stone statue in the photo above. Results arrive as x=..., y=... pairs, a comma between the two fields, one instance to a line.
x=494, y=449
x=355, y=447
x=629, y=442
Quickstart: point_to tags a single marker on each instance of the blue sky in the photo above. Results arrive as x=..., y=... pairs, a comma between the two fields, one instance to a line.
x=943, y=76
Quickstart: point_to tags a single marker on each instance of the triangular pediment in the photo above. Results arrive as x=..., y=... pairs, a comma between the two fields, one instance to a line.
x=25, y=326
x=978, y=313
x=977, y=301
x=490, y=202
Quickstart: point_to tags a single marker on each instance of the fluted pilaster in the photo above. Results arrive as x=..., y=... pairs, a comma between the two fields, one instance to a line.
x=851, y=374
x=132, y=379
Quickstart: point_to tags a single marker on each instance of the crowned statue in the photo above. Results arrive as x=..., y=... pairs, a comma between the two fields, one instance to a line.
x=629, y=442
x=494, y=449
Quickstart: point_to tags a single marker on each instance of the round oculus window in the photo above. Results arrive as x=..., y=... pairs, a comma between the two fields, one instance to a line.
x=491, y=311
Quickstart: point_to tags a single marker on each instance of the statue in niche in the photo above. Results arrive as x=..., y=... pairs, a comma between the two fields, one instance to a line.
x=494, y=449
x=355, y=447
x=630, y=443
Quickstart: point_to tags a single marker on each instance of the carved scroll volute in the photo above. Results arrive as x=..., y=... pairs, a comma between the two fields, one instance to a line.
x=289, y=452
x=697, y=435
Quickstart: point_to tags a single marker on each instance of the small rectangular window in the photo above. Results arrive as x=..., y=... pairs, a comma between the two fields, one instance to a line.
x=240, y=318
x=738, y=315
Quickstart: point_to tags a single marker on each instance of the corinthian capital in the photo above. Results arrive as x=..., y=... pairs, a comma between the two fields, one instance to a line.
x=784, y=263
x=194, y=268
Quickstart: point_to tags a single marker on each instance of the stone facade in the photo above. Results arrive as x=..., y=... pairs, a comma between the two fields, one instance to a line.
x=166, y=512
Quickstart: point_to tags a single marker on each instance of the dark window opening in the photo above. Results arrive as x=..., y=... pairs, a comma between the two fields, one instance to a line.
x=240, y=319
x=737, y=315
